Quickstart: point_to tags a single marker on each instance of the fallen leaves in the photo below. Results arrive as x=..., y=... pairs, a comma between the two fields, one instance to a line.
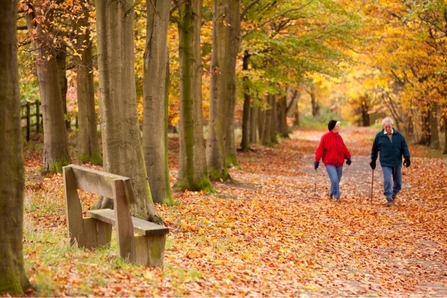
x=271, y=234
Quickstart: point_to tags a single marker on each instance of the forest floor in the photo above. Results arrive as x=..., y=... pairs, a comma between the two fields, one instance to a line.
x=274, y=232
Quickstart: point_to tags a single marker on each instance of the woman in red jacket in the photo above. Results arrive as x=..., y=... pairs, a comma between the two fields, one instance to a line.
x=333, y=151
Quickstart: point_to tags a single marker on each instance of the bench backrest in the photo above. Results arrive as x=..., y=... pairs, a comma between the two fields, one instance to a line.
x=97, y=182
x=104, y=184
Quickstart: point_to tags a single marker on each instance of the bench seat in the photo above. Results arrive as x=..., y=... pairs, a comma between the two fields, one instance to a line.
x=141, y=226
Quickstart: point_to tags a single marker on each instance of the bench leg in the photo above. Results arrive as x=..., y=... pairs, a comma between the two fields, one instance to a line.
x=150, y=250
x=96, y=233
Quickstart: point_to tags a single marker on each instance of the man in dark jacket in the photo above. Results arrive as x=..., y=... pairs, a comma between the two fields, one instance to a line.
x=392, y=146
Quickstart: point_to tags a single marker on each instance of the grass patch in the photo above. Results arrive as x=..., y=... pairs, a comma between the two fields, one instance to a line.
x=320, y=122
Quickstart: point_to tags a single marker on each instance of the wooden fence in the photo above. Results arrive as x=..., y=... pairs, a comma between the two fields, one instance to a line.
x=31, y=117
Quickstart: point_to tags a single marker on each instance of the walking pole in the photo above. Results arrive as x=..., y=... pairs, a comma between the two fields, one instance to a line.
x=372, y=184
x=315, y=183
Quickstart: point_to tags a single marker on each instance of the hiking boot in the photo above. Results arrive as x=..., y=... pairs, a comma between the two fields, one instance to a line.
x=390, y=203
x=331, y=195
x=337, y=200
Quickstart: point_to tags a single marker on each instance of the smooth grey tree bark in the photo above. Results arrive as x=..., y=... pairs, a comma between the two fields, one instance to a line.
x=88, y=143
x=221, y=148
x=219, y=107
x=55, y=152
x=121, y=136
x=234, y=42
x=192, y=174
x=13, y=279
x=245, y=140
x=155, y=92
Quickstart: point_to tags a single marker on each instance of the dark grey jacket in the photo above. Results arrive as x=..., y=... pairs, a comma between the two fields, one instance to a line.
x=390, y=152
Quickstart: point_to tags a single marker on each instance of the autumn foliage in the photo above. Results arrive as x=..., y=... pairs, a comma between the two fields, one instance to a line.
x=274, y=232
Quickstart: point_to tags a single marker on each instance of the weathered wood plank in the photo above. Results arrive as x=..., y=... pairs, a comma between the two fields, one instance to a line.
x=129, y=192
x=150, y=251
x=140, y=226
x=124, y=227
x=96, y=233
x=97, y=182
x=73, y=209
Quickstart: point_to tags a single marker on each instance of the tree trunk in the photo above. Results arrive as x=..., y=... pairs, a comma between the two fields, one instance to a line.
x=410, y=124
x=121, y=137
x=217, y=138
x=292, y=105
x=268, y=122
x=283, y=128
x=445, y=134
x=315, y=105
x=55, y=154
x=245, y=141
x=425, y=126
x=273, y=129
x=192, y=172
x=434, y=131
x=155, y=92
x=234, y=41
x=61, y=57
x=262, y=125
x=364, y=105
x=13, y=280
x=87, y=131
x=254, y=115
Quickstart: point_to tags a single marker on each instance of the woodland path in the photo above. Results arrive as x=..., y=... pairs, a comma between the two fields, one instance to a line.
x=405, y=246
x=357, y=178
x=269, y=234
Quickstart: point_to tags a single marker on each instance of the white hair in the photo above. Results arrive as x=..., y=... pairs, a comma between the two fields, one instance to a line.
x=387, y=121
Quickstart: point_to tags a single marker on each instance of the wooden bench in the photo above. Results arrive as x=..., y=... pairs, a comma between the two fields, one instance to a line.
x=139, y=241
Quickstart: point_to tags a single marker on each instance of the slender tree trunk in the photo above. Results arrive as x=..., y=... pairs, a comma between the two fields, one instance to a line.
x=192, y=172
x=273, y=129
x=283, y=128
x=55, y=154
x=262, y=113
x=292, y=106
x=445, y=134
x=234, y=41
x=245, y=141
x=217, y=138
x=121, y=137
x=425, y=126
x=266, y=131
x=315, y=105
x=254, y=115
x=155, y=92
x=434, y=131
x=364, y=110
x=87, y=132
x=13, y=280
x=61, y=57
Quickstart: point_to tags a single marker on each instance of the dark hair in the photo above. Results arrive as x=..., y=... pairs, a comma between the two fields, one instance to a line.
x=331, y=124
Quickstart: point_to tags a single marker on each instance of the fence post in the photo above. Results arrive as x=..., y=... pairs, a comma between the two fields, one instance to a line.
x=37, y=117
x=28, y=121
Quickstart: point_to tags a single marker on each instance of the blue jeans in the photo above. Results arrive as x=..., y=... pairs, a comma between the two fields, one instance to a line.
x=335, y=174
x=392, y=181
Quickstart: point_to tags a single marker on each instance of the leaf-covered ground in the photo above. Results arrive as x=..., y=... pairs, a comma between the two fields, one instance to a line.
x=274, y=232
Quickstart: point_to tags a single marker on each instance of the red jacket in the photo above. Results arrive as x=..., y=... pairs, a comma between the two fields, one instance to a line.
x=332, y=150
